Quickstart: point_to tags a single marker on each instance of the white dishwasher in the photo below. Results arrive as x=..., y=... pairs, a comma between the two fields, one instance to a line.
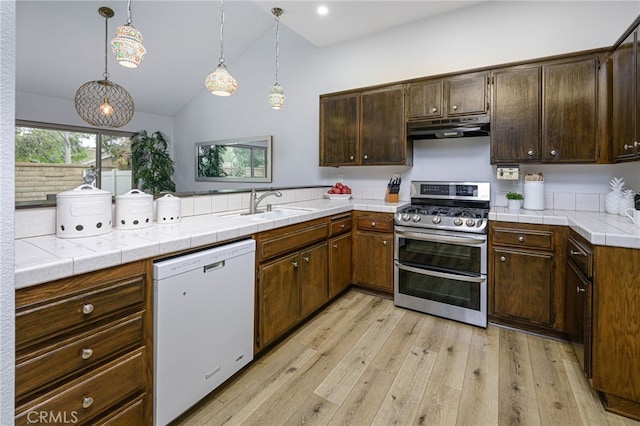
x=203, y=324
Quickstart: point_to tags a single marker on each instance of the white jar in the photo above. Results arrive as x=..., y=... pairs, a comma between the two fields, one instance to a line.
x=84, y=211
x=134, y=210
x=533, y=195
x=168, y=209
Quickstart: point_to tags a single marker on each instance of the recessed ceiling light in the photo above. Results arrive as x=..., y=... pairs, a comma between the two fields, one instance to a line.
x=322, y=10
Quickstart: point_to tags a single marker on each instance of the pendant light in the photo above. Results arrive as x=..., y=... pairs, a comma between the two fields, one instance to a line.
x=276, y=93
x=128, y=43
x=220, y=82
x=103, y=103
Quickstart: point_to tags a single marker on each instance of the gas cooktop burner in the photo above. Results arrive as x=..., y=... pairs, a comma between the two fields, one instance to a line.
x=458, y=206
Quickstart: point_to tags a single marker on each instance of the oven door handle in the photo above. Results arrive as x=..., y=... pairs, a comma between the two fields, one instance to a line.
x=441, y=274
x=442, y=238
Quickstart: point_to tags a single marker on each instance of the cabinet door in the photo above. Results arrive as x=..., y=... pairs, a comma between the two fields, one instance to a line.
x=624, y=82
x=467, y=95
x=523, y=285
x=339, y=264
x=339, y=130
x=578, y=315
x=425, y=99
x=278, y=298
x=516, y=119
x=382, y=133
x=569, y=128
x=313, y=279
x=373, y=262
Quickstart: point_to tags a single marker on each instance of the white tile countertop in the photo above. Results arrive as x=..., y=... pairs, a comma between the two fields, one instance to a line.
x=599, y=228
x=45, y=258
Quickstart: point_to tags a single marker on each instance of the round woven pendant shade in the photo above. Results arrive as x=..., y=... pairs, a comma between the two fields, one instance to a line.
x=93, y=94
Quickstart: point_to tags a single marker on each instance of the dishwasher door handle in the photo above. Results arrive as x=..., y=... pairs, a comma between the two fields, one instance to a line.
x=213, y=266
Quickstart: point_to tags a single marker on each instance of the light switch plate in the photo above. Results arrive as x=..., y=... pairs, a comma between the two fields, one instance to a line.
x=508, y=173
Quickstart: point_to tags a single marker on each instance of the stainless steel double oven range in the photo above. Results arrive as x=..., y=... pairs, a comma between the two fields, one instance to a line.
x=441, y=250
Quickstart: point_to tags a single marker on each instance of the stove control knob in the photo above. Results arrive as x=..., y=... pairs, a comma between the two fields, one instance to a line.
x=470, y=222
x=406, y=217
x=457, y=221
x=436, y=219
x=416, y=218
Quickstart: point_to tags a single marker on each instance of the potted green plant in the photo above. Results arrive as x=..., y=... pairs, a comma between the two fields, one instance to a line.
x=152, y=165
x=515, y=201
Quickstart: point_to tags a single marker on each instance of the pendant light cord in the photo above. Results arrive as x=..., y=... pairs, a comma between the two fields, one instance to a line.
x=129, y=12
x=106, y=36
x=221, y=31
x=277, y=45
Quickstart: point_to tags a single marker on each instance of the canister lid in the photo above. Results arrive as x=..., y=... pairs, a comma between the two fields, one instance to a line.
x=83, y=191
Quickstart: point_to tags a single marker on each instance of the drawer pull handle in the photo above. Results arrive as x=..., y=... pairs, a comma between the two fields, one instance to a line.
x=530, y=153
x=503, y=259
x=577, y=253
x=554, y=152
x=373, y=224
x=579, y=290
x=295, y=264
x=384, y=242
x=342, y=225
x=306, y=259
x=86, y=353
x=351, y=157
x=521, y=239
x=455, y=107
x=87, y=309
x=434, y=109
x=335, y=246
x=366, y=157
x=87, y=402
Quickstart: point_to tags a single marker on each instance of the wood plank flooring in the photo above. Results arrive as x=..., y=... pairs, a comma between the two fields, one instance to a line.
x=363, y=361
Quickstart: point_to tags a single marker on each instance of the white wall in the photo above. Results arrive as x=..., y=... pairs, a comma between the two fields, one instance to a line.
x=7, y=131
x=488, y=34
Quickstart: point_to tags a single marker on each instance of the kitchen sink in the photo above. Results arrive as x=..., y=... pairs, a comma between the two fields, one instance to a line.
x=276, y=213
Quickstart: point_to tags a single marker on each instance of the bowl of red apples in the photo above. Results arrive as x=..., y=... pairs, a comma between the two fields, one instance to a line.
x=339, y=191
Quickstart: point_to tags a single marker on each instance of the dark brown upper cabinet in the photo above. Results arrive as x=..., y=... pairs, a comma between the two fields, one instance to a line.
x=626, y=99
x=367, y=127
x=462, y=95
x=546, y=112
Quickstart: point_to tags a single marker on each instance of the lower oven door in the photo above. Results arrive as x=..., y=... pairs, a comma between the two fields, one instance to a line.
x=442, y=274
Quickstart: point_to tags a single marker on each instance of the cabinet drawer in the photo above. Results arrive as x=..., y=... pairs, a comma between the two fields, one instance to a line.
x=91, y=394
x=288, y=241
x=375, y=223
x=340, y=225
x=581, y=255
x=130, y=414
x=55, y=317
x=77, y=353
x=523, y=238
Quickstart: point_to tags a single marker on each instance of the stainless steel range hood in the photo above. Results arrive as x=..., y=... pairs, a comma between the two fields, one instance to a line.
x=449, y=128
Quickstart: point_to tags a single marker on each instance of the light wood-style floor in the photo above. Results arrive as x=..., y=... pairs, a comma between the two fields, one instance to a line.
x=363, y=361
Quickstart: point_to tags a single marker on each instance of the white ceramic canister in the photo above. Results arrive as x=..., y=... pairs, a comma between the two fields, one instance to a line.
x=168, y=209
x=84, y=211
x=134, y=210
x=533, y=195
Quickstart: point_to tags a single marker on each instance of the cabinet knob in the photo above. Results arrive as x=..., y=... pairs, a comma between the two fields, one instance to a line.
x=434, y=109
x=384, y=242
x=87, y=309
x=576, y=253
x=335, y=246
x=306, y=258
x=553, y=152
x=636, y=143
x=295, y=264
x=521, y=239
x=579, y=289
x=86, y=353
x=627, y=147
x=87, y=402
x=342, y=226
x=530, y=153
x=503, y=259
x=351, y=157
x=373, y=224
x=455, y=107
x=366, y=157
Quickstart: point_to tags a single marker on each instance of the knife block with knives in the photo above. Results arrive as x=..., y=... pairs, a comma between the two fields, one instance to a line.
x=393, y=189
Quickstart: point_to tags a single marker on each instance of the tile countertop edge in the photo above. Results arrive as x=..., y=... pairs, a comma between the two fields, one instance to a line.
x=198, y=230
x=598, y=228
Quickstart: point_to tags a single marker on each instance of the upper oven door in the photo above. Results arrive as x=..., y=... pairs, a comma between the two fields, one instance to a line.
x=443, y=251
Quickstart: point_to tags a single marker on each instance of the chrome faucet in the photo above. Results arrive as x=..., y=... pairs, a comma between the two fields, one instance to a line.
x=254, y=201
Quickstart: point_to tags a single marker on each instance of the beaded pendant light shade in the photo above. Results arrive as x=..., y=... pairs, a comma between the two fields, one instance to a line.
x=276, y=93
x=128, y=43
x=103, y=103
x=220, y=82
